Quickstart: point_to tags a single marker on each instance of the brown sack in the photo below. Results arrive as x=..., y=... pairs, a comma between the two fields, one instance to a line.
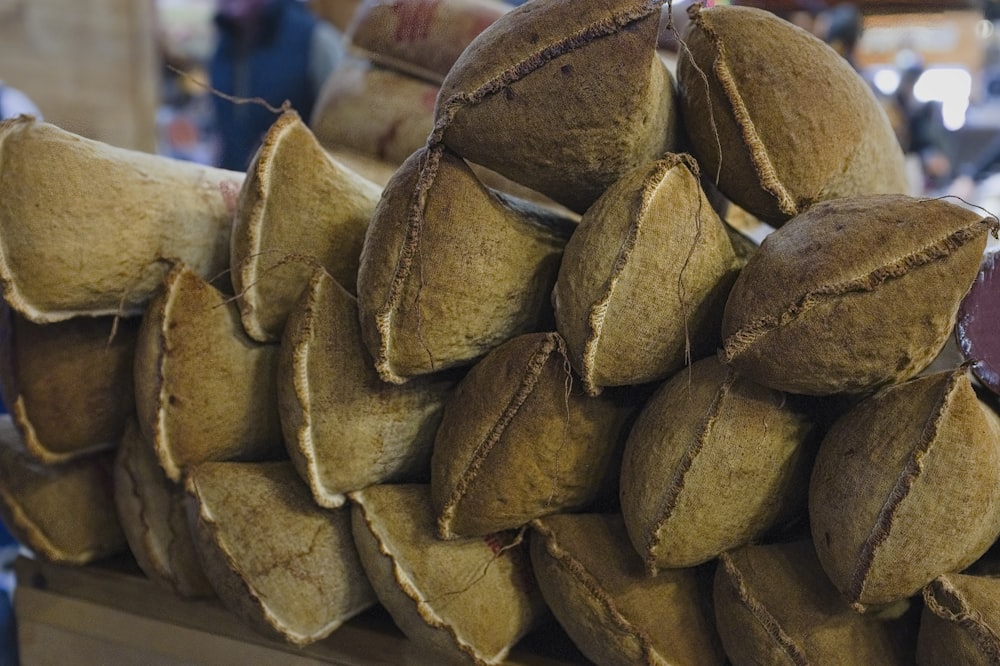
x=906, y=487
x=63, y=513
x=520, y=440
x=713, y=462
x=420, y=37
x=298, y=209
x=781, y=133
x=282, y=564
x=374, y=111
x=613, y=610
x=152, y=513
x=204, y=389
x=345, y=428
x=467, y=601
x=644, y=278
x=451, y=269
x=68, y=385
x=775, y=605
x=88, y=228
x=563, y=96
x=960, y=623
x=853, y=294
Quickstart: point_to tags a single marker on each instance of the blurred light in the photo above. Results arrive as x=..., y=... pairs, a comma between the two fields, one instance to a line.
x=985, y=29
x=886, y=80
x=952, y=86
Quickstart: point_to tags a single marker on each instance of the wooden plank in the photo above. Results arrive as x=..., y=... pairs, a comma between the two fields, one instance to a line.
x=113, y=613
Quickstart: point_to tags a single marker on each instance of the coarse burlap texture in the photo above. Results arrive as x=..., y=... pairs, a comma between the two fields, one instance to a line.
x=713, y=462
x=853, y=294
x=906, y=487
x=284, y=565
x=298, y=209
x=420, y=38
x=91, y=229
x=67, y=385
x=520, y=440
x=563, y=96
x=203, y=389
x=960, y=623
x=450, y=269
x=468, y=600
x=644, y=278
x=63, y=513
x=345, y=429
x=775, y=605
x=153, y=517
x=780, y=132
x=613, y=610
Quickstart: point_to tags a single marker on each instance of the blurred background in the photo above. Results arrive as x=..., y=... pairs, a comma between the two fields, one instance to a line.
x=134, y=73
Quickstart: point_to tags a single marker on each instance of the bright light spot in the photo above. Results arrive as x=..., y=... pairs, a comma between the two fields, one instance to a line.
x=886, y=80
x=951, y=86
x=985, y=29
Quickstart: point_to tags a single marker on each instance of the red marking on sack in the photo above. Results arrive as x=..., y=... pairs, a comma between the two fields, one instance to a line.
x=230, y=191
x=414, y=19
x=429, y=99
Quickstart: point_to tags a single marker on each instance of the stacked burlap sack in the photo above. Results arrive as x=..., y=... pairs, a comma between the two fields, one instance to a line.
x=489, y=412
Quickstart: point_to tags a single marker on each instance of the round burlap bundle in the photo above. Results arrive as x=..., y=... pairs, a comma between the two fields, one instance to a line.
x=520, y=440
x=91, y=229
x=154, y=520
x=644, y=278
x=450, y=269
x=775, y=605
x=906, y=487
x=563, y=96
x=714, y=461
x=285, y=566
x=614, y=612
x=417, y=37
x=298, y=209
x=778, y=133
x=63, y=513
x=960, y=623
x=345, y=429
x=203, y=389
x=853, y=294
x=465, y=601
x=68, y=385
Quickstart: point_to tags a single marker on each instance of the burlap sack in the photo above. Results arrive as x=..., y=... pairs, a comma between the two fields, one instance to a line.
x=906, y=487
x=63, y=513
x=960, y=623
x=203, y=389
x=775, y=605
x=152, y=514
x=781, y=133
x=298, y=209
x=374, y=111
x=466, y=601
x=563, y=96
x=68, y=385
x=450, y=269
x=853, y=294
x=88, y=228
x=713, y=462
x=346, y=429
x=614, y=612
x=520, y=440
x=284, y=565
x=644, y=278
x=418, y=37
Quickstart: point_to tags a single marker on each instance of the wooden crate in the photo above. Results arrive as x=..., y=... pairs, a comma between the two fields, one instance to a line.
x=90, y=66
x=109, y=613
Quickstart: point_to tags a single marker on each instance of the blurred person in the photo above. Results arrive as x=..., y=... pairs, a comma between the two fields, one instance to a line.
x=274, y=50
x=923, y=135
x=841, y=27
